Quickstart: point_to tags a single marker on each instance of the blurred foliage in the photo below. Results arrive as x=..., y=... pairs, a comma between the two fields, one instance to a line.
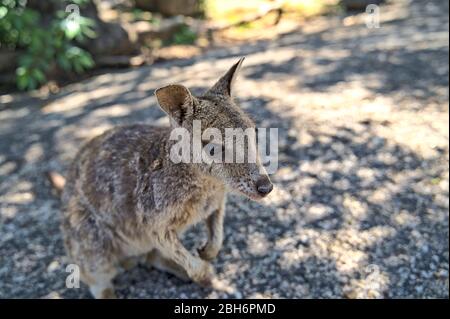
x=44, y=47
x=184, y=36
x=142, y=15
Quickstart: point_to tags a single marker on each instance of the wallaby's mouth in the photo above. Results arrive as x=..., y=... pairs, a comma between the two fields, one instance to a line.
x=253, y=195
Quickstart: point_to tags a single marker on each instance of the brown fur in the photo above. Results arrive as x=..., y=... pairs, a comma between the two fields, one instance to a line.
x=124, y=197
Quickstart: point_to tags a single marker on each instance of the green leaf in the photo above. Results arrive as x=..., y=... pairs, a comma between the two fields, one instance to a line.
x=77, y=66
x=26, y=60
x=3, y=12
x=86, y=60
x=64, y=63
x=32, y=83
x=71, y=28
x=38, y=75
x=22, y=82
x=21, y=71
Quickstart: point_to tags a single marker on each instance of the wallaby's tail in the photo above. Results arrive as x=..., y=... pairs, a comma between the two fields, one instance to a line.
x=57, y=181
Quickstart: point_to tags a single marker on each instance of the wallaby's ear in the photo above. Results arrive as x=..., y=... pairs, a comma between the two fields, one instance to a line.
x=175, y=100
x=225, y=84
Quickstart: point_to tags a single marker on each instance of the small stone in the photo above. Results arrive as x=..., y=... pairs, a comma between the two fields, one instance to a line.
x=237, y=295
x=53, y=266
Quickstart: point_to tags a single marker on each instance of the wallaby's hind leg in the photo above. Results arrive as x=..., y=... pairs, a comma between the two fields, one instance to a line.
x=157, y=260
x=100, y=282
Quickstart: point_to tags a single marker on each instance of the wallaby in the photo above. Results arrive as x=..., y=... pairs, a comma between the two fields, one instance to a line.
x=124, y=197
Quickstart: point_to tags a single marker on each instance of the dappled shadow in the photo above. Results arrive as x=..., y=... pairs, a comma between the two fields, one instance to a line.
x=355, y=201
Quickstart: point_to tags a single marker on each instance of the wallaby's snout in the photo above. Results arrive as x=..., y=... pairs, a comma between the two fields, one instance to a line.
x=263, y=185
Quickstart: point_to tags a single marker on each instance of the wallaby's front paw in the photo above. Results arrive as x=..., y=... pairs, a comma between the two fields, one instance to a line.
x=208, y=252
x=109, y=294
x=205, y=276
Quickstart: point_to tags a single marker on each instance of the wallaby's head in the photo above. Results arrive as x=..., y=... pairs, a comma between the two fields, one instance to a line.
x=218, y=114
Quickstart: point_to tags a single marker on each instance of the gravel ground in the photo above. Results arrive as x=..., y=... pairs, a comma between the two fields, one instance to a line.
x=361, y=202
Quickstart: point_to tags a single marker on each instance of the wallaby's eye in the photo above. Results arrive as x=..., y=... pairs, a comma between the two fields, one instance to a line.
x=206, y=142
x=212, y=148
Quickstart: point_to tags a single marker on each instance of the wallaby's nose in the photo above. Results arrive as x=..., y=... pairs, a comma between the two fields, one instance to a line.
x=263, y=185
